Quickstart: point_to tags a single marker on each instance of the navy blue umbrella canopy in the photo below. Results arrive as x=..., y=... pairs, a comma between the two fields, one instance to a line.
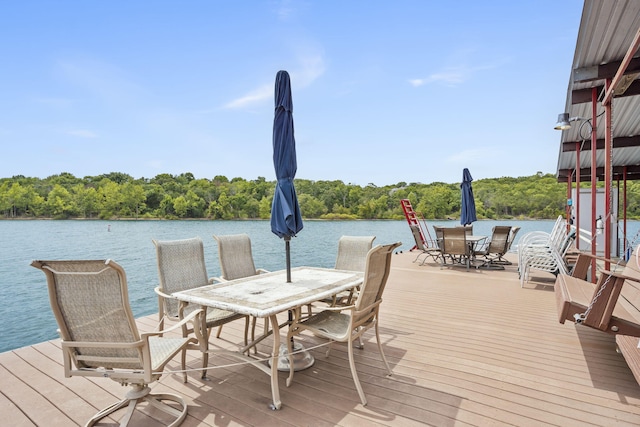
x=468, y=205
x=286, y=220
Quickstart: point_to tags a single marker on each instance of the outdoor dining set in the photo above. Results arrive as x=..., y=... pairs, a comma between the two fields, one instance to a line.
x=100, y=337
x=458, y=246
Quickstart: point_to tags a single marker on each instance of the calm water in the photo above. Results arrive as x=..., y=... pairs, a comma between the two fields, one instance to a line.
x=24, y=309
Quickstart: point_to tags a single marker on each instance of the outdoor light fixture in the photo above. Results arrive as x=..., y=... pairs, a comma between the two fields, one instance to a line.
x=564, y=122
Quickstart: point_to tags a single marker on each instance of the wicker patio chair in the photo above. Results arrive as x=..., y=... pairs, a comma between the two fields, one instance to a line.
x=100, y=337
x=454, y=244
x=181, y=266
x=236, y=261
x=433, y=251
x=347, y=323
x=496, y=248
x=352, y=256
x=236, y=257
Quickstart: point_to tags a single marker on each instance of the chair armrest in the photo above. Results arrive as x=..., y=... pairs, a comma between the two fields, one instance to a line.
x=162, y=294
x=339, y=308
x=588, y=304
x=196, y=314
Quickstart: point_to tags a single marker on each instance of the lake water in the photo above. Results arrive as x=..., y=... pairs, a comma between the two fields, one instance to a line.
x=25, y=314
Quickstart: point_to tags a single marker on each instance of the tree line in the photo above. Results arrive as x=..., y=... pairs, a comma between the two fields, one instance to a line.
x=119, y=195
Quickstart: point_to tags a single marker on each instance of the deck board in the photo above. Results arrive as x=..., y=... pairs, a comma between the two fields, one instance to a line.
x=467, y=348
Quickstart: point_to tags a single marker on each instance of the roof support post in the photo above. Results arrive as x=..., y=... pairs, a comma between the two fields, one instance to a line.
x=625, y=241
x=577, y=202
x=594, y=140
x=569, y=206
x=608, y=176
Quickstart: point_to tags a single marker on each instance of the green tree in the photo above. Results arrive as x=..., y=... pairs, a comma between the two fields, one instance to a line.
x=60, y=203
x=180, y=206
x=111, y=199
x=133, y=198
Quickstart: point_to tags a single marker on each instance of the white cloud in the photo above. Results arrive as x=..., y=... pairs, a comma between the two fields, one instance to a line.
x=263, y=93
x=310, y=68
x=285, y=10
x=450, y=77
x=453, y=76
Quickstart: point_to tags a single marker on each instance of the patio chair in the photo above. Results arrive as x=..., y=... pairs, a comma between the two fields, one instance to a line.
x=544, y=252
x=347, y=324
x=100, y=337
x=236, y=262
x=433, y=252
x=181, y=266
x=455, y=245
x=352, y=256
x=236, y=257
x=496, y=248
x=512, y=238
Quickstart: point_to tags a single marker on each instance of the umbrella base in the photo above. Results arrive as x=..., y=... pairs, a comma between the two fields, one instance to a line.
x=302, y=359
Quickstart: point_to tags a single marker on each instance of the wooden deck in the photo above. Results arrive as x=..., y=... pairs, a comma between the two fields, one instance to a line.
x=467, y=349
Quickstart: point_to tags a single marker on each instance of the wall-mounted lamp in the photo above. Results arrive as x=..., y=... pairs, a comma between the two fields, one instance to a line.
x=564, y=122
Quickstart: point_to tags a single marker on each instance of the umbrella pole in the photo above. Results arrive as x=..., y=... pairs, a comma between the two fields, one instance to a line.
x=287, y=239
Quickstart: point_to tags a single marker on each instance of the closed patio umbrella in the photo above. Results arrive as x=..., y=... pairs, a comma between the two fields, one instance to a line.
x=286, y=220
x=468, y=205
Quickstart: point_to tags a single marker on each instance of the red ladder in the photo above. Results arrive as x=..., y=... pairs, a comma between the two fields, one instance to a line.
x=412, y=219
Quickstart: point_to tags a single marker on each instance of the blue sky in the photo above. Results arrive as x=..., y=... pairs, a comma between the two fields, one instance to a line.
x=383, y=92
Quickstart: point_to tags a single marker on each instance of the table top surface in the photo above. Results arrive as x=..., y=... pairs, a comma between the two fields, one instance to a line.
x=473, y=238
x=266, y=294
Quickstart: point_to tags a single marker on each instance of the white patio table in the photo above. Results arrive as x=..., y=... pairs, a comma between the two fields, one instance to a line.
x=266, y=295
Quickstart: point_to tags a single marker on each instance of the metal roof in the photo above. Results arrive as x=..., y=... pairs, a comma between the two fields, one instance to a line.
x=607, y=31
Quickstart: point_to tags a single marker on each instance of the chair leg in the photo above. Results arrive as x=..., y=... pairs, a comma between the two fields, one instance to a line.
x=107, y=411
x=384, y=359
x=205, y=363
x=184, y=365
x=354, y=374
x=141, y=393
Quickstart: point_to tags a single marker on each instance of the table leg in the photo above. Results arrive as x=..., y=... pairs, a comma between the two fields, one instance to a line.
x=275, y=390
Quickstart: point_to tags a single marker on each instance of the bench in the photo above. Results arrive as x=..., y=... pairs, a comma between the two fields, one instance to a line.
x=611, y=305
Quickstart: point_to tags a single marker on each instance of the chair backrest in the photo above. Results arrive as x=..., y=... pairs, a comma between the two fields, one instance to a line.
x=454, y=241
x=181, y=266
x=499, y=243
x=236, y=258
x=512, y=236
x=417, y=236
x=439, y=234
x=352, y=252
x=377, y=268
x=467, y=228
x=90, y=302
